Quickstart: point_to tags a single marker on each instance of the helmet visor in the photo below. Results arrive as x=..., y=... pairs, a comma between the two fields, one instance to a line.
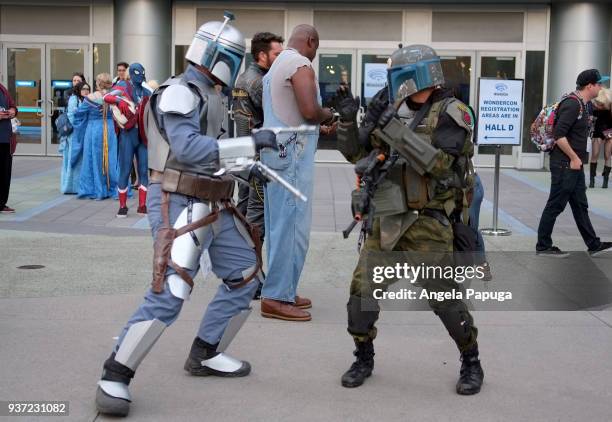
x=408, y=79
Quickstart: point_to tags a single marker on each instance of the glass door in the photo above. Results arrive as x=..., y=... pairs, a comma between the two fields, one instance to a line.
x=25, y=81
x=372, y=73
x=335, y=68
x=502, y=65
x=62, y=62
x=457, y=67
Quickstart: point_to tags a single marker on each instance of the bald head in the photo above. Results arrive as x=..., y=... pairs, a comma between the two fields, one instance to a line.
x=305, y=39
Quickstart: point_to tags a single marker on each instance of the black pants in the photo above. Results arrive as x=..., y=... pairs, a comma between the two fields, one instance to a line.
x=6, y=167
x=567, y=185
x=251, y=205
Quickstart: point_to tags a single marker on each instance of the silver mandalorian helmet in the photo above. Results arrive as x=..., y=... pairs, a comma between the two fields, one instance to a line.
x=412, y=69
x=220, y=48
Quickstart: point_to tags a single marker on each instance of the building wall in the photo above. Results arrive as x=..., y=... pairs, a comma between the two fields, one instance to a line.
x=472, y=33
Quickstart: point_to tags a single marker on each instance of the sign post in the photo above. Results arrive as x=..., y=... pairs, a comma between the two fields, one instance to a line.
x=500, y=122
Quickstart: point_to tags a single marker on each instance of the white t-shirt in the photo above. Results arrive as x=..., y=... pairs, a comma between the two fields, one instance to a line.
x=284, y=102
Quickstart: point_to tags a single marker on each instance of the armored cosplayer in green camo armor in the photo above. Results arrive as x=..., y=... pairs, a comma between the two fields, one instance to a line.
x=428, y=133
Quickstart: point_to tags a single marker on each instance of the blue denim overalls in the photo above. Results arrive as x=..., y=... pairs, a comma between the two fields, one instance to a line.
x=287, y=219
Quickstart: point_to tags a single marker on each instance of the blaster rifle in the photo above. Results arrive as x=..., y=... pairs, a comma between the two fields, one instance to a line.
x=378, y=165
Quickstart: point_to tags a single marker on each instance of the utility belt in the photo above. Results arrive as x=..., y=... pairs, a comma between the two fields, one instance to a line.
x=205, y=188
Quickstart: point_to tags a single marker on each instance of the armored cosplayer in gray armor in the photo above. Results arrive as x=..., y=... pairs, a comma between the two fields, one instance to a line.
x=190, y=211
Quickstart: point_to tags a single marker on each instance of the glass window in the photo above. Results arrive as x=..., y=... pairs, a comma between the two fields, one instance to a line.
x=63, y=63
x=334, y=70
x=101, y=60
x=354, y=25
x=534, y=85
x=24, y=85
x=374, y=75
x=457, y=71
x=502, y=68
x=477, y=26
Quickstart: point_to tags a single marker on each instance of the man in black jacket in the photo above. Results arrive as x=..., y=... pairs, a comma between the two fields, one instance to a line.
x=571, y=132
x=248, y=113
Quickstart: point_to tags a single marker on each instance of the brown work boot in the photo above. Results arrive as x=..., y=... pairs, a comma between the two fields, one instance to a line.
x=271, y=308
x=302, y=302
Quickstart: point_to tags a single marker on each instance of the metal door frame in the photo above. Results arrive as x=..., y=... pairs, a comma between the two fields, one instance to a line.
x=52, y=149
x=488, y=160
x=40, y=148
x=45, y=147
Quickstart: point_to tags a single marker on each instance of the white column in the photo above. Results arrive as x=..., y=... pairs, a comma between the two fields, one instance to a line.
x=580, y=38
x=143, y=34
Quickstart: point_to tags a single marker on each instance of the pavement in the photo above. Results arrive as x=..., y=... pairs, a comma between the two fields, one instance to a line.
x=57, y=322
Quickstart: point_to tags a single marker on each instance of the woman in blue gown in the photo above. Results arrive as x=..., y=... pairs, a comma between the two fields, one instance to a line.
x=69, y=182
x=95, y=140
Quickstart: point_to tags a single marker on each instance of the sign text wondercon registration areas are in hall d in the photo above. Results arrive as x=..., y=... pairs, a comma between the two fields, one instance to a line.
x=500, y=111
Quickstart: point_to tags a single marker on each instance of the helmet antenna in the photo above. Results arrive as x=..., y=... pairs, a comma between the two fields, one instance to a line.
x=227, y=17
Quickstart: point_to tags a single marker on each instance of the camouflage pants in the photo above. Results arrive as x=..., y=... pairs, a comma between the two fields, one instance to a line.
x=428, y=236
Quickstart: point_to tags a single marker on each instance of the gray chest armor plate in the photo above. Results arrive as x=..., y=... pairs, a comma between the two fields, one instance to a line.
x=211, y=111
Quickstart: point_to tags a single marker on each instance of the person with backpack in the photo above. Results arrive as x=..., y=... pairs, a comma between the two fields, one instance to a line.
x=569, y=154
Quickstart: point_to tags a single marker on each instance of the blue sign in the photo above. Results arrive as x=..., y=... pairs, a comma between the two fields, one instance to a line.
x=500, y=111
x=25, y=84
x=61, y=84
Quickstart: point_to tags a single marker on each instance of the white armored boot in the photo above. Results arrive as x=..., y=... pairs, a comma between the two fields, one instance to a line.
x=113, y=395
x=204, y=360
x=210, y=359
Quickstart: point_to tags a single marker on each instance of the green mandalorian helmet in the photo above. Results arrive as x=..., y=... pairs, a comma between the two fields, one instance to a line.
x=412, y=69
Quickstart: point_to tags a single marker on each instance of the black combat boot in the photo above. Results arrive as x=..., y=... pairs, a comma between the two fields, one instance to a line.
x=592, y=175
x=362, y=367
x=606, y=176
x=471, y=374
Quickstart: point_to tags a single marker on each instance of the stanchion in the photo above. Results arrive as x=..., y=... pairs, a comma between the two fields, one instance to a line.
x=496, y=231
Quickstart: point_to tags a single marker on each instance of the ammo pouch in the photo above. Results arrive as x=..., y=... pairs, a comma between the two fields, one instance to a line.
x=205, y=188
x=401, y=191
x=417, y=193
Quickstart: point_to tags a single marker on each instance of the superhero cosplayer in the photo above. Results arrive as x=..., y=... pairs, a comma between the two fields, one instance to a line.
x=130, y=98
x=429, y=134
x=190, y=210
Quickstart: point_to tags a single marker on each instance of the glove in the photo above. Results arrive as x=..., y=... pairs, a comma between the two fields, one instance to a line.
x=264, y=139
x=386, y=116
x=346, y=105
x=256, y=175
x=376, y=108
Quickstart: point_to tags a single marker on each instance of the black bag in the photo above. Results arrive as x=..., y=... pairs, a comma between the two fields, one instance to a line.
x=64, y=127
